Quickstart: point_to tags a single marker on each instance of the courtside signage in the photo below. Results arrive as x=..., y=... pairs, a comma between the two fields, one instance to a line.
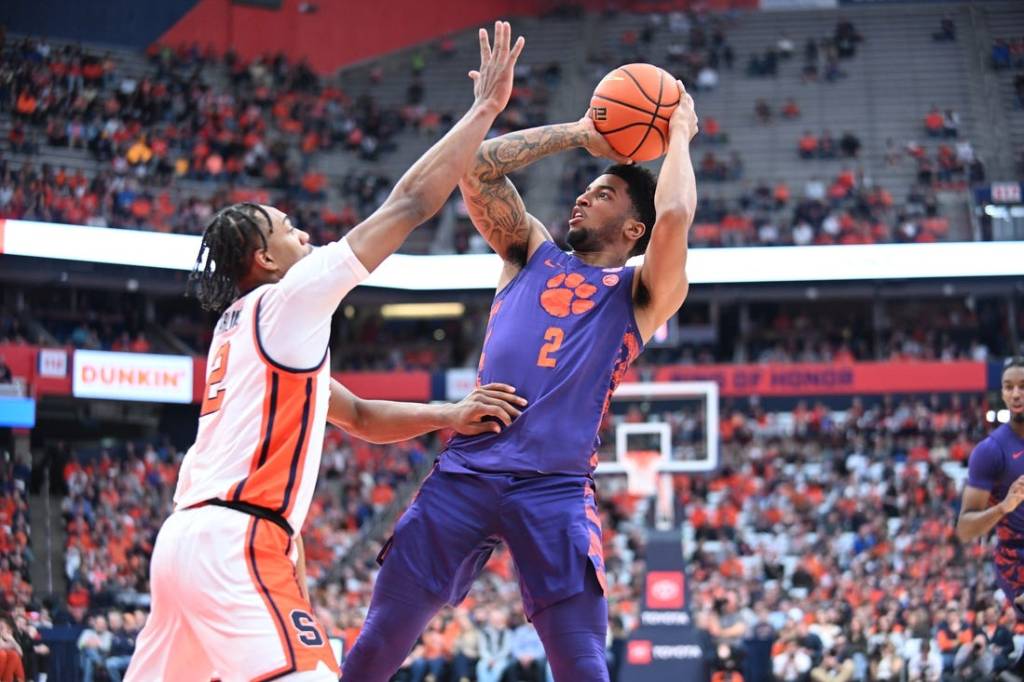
x=53, y=363
x=807, y=379
x=666, y=590
x=18, y=413
x=480, y=271
x=132, y=376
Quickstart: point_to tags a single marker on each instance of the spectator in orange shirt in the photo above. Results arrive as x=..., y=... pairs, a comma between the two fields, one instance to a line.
x=731, y=567
x=139, y=153
x=382, y=495
x=712, y=130
x=934, y=122
x=781, y=195
x=313, y=184
x=791, y=109
x=952, y=632
x=808, y=145
x=960, y=448
x=26, y=106
x=140, y=344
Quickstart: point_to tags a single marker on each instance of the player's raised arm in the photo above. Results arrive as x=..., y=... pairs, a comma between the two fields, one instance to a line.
x=493, y=203
x=663, y=273
x=385, y=421
x=424, y=188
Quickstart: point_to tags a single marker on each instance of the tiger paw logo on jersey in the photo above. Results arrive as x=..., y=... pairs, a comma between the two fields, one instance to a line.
x=567, y=295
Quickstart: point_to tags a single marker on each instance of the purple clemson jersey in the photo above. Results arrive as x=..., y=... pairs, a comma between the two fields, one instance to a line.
x=994, y=465
x=563, y=333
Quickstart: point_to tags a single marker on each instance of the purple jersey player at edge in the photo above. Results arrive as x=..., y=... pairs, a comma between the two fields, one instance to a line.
x=995, y=489
x=564, y=327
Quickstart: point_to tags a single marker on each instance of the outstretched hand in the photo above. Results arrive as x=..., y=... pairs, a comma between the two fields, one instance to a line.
x=492, y=84
x=487, y=409
x=596, y=143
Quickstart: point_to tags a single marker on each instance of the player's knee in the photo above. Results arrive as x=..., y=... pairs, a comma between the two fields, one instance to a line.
x=590, y=666
x=369, y=652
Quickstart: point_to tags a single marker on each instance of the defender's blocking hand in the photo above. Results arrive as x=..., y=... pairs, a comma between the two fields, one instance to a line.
x=497, y=401
x=492, y=84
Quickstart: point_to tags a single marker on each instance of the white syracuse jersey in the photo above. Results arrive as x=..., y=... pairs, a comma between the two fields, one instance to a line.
x=261, y=425
x=226, y=602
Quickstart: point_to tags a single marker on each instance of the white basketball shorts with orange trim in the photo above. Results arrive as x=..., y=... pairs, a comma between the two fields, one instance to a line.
x=227, y=606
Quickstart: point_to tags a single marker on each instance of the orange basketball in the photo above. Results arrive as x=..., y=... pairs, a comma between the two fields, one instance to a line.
x=631, y=107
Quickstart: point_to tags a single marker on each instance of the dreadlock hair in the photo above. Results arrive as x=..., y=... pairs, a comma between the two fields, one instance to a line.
x=640, y=185
x=230, y=239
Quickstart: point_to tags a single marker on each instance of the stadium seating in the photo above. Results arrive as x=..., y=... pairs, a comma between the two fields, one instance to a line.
x=15, y=531
x=879, y=99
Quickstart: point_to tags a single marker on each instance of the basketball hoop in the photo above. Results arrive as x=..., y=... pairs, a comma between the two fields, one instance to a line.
x=642, y=472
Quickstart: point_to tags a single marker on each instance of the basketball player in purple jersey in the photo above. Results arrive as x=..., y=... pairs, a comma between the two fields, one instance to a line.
x=564, y=328
x=995, y=489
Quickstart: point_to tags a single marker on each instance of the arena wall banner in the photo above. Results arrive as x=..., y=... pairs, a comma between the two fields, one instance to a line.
x=813, y=379
x=412, y=385
x=132, y=376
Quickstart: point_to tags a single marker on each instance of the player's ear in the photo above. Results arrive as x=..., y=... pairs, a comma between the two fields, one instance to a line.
x=262, y=258
x=634, y=229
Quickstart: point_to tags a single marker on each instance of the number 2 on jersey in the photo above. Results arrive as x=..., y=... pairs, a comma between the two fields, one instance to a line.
x=554, y=337
x=214, y=395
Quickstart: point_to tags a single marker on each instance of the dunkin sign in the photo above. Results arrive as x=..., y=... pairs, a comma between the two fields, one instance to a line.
x=132, y=376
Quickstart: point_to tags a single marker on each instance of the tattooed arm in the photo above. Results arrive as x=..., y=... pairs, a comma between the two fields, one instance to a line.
x=494, y=204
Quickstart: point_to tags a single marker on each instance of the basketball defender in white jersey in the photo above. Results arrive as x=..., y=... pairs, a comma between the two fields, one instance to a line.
x=228, y=590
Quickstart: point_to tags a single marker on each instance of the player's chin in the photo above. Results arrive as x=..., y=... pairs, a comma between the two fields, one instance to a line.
x=577, y=236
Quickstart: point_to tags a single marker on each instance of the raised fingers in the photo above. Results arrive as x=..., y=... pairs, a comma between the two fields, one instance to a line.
x=501, y=36
x=485, y=47
x=517, y=49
